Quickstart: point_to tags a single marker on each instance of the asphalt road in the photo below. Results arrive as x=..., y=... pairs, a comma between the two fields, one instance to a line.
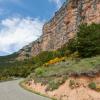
x=12, y=91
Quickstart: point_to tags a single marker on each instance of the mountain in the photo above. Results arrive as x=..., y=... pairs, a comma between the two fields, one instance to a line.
x=66, y=70
x=63, y=26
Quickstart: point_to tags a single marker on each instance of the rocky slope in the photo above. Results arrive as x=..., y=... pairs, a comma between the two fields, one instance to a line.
x=63, y=26
x=80, y=92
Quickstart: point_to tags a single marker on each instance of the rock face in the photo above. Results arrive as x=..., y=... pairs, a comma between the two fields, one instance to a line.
x=63, y=26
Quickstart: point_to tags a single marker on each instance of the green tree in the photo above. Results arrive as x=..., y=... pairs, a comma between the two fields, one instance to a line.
x=87, y=41
x=43, y=57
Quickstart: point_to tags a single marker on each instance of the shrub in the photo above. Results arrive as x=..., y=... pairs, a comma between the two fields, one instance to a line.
x=54, y=84
x=72, y=45
x=43, y=57
x=74, y=84
x=63, y=51
x=39, y=71
x=92, y=85
x=71, y=83
x=55, y=60
x=74, y=55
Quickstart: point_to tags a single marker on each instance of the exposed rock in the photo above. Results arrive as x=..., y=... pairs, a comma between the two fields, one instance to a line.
x=63, y=26
x=78, y=91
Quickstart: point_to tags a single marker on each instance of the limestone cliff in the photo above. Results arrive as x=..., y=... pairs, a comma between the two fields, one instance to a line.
x=63, y=26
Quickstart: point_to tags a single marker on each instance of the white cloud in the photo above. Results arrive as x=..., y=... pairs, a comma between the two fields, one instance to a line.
x=17, y=32
x=57, y=2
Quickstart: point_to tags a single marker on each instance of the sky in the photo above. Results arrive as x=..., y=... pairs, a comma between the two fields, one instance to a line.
x=21, y=22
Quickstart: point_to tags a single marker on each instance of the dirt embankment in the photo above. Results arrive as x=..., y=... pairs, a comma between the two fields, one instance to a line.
x=65, y=92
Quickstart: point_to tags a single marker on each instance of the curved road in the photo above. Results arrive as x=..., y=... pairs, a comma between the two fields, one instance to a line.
x=12, y=91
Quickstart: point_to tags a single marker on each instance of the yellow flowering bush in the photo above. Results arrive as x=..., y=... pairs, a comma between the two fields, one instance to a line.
x=55, y=60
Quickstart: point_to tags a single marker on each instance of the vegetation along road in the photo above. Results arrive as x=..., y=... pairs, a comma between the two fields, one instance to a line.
x=12, y=91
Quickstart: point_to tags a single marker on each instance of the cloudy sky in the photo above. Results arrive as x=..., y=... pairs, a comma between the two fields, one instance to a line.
x=21, y=22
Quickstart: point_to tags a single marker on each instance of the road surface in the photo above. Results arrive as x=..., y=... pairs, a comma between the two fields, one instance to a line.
x=12, y=91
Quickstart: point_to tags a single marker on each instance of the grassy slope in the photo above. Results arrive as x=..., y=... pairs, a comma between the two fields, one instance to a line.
x=72, y=66
x=59, y=72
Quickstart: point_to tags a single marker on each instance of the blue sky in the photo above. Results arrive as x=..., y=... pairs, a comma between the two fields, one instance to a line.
x=21, y=21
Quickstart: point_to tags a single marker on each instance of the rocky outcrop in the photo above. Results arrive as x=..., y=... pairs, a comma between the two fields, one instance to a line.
x=63, y=26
